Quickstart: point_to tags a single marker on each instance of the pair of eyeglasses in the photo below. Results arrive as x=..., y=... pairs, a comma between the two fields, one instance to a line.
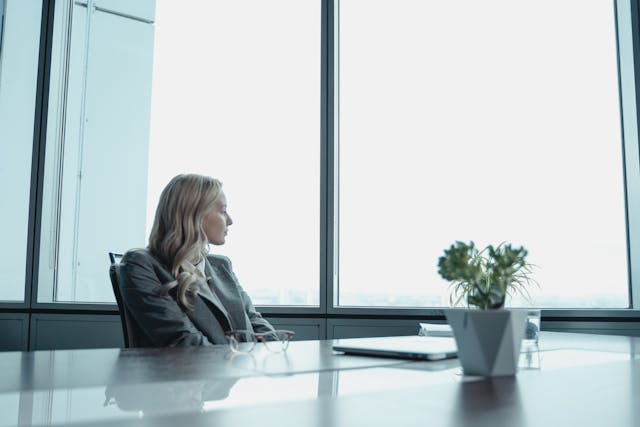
x=243, y=341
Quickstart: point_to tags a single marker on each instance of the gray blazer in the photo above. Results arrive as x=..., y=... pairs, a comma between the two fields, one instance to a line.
x=160, y=321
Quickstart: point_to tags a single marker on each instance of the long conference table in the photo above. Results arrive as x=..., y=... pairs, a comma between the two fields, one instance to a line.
x=572, y=379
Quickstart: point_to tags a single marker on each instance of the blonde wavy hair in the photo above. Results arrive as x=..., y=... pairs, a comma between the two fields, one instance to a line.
x=177, y=236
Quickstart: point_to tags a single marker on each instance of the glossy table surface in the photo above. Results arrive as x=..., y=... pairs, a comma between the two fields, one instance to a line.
x=576, y=379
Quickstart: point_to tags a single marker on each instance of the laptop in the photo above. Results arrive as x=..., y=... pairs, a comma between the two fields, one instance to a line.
x=409, y=347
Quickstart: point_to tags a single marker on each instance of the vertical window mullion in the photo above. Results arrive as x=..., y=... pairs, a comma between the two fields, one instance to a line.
x=330, y=122
x=628, y=36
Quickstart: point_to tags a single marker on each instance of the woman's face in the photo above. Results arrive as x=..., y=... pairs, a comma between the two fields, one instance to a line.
x=217, y=220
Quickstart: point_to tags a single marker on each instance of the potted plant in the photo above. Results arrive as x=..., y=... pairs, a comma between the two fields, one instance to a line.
x=488, y=337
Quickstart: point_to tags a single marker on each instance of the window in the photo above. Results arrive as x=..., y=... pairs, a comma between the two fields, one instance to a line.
x=493, y=121
x=489, y=122
x=236, y=95
x=97, y=138
x=19, y=43
x=142, y=92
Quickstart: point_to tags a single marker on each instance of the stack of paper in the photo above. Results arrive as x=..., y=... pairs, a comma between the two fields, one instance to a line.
x=435, y=330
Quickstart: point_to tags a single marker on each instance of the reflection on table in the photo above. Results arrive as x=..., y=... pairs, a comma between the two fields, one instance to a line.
x=570, y=377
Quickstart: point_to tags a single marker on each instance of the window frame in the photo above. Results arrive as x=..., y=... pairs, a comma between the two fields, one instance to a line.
x=39, y=117
x=629, y=77
x=629, y=85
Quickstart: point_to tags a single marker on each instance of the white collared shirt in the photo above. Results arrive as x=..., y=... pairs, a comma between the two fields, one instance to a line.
x=203, y=286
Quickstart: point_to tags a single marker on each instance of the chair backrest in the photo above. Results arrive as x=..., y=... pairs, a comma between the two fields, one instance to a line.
x=115, y=258
x=125, y=317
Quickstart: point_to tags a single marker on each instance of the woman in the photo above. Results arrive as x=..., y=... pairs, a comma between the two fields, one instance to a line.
x=177, y=294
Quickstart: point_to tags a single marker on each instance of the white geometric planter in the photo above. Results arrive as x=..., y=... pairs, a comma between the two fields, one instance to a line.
x=488, y=340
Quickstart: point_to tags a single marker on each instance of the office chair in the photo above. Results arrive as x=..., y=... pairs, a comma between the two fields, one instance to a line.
x=127, y=322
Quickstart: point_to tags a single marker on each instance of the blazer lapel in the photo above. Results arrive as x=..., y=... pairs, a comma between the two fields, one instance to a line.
x=211, y=277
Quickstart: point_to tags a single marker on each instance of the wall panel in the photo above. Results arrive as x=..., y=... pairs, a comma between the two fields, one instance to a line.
x=305, y=329
x=73, y=331
x=357, y=328
x=14, y=331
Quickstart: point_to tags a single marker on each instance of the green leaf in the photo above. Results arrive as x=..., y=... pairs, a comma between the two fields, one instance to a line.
x=485, y=277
